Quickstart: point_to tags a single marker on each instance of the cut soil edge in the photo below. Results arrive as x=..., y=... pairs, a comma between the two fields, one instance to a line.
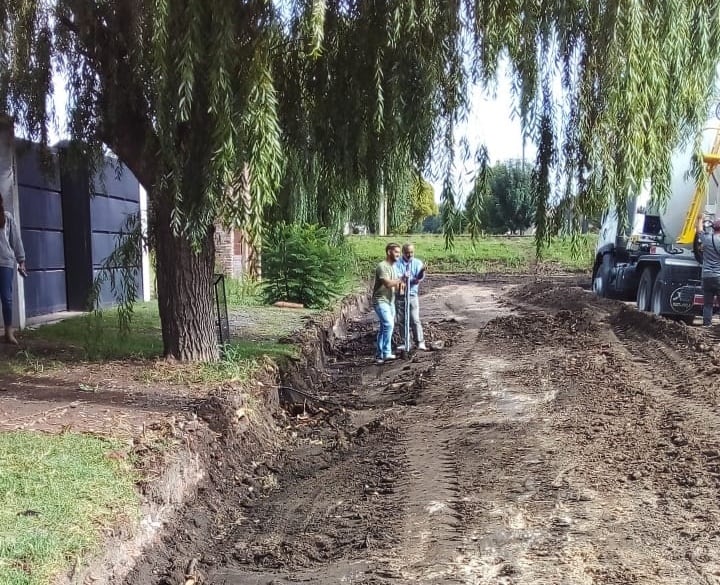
x=236, y=422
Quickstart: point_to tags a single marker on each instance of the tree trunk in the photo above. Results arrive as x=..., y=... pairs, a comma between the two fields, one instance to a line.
x=185, y=291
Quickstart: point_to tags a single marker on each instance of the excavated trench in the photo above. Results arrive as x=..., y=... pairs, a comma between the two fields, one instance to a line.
x=556, y=438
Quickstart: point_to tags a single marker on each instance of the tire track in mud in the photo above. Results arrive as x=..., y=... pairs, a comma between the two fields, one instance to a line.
x=320, y=517
x=432, y=527
x=506, y=478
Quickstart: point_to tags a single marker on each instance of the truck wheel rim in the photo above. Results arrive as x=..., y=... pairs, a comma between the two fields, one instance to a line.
x=598, y=285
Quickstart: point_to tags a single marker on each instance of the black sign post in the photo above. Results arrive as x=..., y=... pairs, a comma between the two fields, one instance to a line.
x=221, y=311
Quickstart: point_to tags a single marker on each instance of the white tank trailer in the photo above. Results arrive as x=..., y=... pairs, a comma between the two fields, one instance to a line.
x=655, y=260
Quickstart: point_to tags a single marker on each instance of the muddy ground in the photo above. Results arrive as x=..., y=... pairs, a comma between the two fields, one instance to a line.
x=556, y=439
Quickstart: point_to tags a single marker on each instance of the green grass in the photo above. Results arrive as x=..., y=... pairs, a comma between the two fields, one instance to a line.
x=98, y=337
x=56, y=493
x=241, y=359
x=487, y=254
x=242, y=293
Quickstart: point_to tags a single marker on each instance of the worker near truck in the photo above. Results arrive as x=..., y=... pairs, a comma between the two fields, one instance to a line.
x=710, y=267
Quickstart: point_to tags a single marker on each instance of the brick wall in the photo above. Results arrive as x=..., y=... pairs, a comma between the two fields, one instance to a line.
x=233, y=255
x=224, y=250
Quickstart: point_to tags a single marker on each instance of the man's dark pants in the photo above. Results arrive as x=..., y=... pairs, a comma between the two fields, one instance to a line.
x=711, y=289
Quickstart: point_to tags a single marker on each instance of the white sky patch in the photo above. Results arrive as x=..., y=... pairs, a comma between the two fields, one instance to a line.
x=492, y=122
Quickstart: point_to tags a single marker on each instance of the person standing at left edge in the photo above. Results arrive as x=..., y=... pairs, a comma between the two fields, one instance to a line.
x=383, y=299
x=12, y=257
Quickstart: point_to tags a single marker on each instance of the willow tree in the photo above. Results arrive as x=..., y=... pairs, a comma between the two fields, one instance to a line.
x=218, y=106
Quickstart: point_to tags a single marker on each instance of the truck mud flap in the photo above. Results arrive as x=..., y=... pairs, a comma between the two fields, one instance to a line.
x=682, y=298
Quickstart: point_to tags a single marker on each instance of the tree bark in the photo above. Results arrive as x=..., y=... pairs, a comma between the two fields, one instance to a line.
x=185, y=291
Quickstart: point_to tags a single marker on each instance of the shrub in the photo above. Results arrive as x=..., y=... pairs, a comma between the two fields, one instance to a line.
x=304, y=264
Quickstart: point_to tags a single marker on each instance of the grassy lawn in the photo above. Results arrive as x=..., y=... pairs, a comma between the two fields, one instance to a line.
x=55, y=494
x=95, y=337
x=488, y=254
x=58, y=492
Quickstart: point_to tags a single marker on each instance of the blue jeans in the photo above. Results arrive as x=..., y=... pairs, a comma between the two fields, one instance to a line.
x=386, y=314
x=6, y=293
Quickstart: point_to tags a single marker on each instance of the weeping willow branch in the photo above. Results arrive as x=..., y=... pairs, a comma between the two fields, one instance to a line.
x=122, y=271
x=320, y=105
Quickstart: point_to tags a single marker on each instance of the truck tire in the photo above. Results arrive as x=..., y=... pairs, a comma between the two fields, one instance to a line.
x=655, y=298
x=645, y=288
x=601, y=276
x=656, y=304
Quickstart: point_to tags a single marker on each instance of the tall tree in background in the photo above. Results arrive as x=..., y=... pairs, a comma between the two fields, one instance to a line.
x=214, y=104
x=508, y=205
x=419, y=204
x=218, y=106
x=422, y=202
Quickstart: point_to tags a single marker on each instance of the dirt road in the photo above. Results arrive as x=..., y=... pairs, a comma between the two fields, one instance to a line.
x=558, y=438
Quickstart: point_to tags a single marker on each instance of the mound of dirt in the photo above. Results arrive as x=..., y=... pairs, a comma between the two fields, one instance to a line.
x=550, y=294
x=628, y=318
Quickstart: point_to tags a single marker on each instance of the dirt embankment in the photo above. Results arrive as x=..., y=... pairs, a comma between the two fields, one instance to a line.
x=225, y=455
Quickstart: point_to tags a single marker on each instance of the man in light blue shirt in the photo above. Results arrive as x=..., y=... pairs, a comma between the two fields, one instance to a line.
x=413, y=271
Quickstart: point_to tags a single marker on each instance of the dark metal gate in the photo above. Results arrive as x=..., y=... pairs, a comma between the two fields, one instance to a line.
x=222, y=324
x=41, y=216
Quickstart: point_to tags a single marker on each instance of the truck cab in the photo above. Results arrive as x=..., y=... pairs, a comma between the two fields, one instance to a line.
x=652, y=256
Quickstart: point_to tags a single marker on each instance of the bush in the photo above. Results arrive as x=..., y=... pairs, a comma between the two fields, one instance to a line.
x=305, y=264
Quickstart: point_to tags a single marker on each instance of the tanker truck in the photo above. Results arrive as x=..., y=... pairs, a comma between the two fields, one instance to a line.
x=653, y=257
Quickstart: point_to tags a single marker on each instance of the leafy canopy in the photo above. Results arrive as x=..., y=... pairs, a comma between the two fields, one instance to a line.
x=324, y=104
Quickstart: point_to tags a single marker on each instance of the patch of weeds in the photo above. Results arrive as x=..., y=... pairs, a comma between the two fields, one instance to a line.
x=241, y=359
x=239, y=362
x=56, y=494
x=268, y=323
x=243, y=292
x=26, y=362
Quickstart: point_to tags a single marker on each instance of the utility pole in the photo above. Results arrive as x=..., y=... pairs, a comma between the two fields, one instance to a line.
x=382, y=208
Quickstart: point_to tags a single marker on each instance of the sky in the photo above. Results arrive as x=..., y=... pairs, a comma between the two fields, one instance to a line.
x=490, y=122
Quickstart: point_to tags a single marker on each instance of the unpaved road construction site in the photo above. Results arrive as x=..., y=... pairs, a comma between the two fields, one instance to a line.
x=557, y=438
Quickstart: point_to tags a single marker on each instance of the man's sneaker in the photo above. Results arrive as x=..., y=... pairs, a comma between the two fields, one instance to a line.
x=379, y=361
x=422, y=346
x=390, y=356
